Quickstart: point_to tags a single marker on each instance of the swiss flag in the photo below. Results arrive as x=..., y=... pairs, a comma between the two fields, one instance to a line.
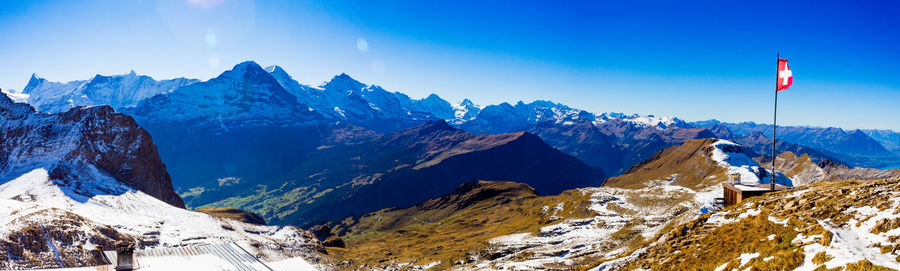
x=785, y=78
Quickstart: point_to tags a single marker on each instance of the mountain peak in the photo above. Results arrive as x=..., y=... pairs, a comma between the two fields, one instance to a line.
x=244, y=69
x=250, y=64
x=466, y=102
x=343, y=82
x=132, y=73
x=33, y=82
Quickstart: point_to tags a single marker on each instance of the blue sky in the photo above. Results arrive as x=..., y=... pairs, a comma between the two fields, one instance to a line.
x=695, y=60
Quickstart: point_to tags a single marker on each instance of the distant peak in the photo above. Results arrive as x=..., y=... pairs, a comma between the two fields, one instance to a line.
x=343, y=82
x=244, y=69
x=466, y=102
x=246, y=64
x=132, y=73
x=33, y=82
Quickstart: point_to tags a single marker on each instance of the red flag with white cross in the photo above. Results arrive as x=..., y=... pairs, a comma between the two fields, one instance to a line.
x=785, y=78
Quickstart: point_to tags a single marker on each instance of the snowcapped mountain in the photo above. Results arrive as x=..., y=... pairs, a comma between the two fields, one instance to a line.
x=74, y=183
x=117, y=91
x=650, y=120
x=243, y=96
x=346, y=99
x=72, y=142
x=47, y=223
x=464, y=111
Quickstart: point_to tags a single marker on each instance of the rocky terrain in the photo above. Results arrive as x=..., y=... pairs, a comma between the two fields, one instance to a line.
x=848, y=225
x=505, y=225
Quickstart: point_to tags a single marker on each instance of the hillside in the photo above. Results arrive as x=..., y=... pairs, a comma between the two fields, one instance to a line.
x=399, y=169
x=505, y=225
x=849, y=224
x=444, y=230
x=697, y=164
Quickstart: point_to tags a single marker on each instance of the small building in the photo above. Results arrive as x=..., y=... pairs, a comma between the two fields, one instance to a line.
x=734, y=193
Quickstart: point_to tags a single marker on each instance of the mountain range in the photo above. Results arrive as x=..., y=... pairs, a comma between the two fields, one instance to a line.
x=393, y=182
x=252, y=127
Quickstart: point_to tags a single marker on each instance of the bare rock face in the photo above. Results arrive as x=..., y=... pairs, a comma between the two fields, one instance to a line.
x=98, y=136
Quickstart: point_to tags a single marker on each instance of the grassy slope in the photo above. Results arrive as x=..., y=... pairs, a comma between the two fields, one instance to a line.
x=690, y=161
x=448, y=228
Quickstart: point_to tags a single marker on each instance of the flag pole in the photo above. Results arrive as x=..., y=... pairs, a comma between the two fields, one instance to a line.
x=775, y=118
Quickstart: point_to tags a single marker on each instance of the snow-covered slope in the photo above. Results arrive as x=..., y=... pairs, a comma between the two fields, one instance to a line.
x=464, y=111
x=73, y=220
x=118, y=91
x=650, y=120
x=733, y=157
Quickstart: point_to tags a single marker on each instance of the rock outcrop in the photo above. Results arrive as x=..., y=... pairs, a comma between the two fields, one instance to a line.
x=66, y=143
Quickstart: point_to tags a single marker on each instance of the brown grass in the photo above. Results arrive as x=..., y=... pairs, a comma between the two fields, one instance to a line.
x=423, y=236
x=690, y=161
